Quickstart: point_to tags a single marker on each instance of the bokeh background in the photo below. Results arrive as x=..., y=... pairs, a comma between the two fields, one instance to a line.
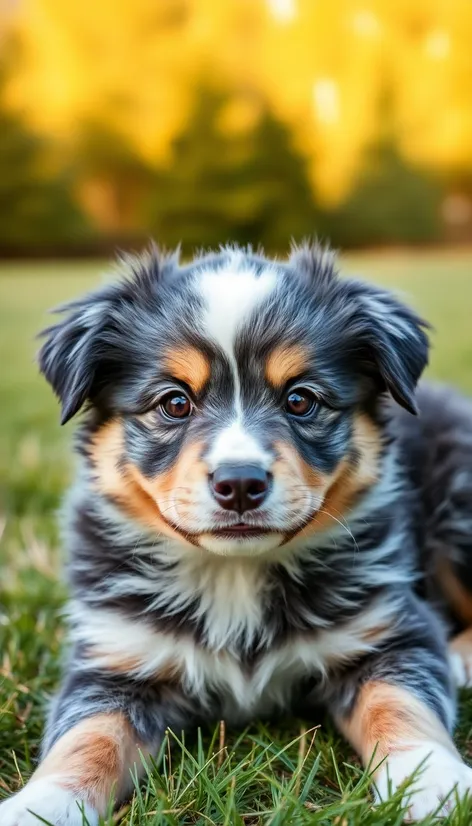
x=255, y=120
x=203, y=121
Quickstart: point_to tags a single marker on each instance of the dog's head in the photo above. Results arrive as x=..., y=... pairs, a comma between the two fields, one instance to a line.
x=233, y=400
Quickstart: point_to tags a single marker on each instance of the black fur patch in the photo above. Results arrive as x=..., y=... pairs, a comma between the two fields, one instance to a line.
x=365, y=351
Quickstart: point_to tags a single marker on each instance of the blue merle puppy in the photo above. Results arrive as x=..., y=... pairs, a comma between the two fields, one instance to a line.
x=259, y=524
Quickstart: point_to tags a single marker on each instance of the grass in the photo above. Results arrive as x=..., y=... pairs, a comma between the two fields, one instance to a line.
x=280, y=774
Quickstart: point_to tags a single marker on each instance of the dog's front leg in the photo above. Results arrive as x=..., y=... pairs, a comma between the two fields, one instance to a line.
x=99, y=727
x=397, y=709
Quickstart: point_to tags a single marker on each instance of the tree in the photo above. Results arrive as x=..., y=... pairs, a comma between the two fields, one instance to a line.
x=113, y=178
x=392, y=202
x=276, y=174
x=37, y=207
x=221, y=185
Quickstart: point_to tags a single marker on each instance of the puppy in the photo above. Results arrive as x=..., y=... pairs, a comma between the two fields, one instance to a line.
x=259, y=524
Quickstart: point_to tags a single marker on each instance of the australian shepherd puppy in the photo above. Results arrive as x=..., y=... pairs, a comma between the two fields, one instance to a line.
x=259, y=524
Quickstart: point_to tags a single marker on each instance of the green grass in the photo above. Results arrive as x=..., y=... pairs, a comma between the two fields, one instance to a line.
x=278, y=774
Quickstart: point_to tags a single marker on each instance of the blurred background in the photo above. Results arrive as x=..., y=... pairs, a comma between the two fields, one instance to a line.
x=204, y=121
x=251, y=120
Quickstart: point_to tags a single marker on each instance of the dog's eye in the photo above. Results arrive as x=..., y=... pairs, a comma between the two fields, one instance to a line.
x=175, y=406
x=300, y=402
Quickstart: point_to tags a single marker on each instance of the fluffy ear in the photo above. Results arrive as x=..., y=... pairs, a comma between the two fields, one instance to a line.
x=314, y=261
x=70, y=355
x=391, y=341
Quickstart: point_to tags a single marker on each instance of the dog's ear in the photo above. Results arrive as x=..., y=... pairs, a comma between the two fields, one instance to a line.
x=102, y=334
x=390, y=342
x=386, y=339
x=315, y=262
x=73, y=348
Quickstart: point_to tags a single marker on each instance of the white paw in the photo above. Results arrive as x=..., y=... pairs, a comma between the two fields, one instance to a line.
x=440, y=777
x=53, y=804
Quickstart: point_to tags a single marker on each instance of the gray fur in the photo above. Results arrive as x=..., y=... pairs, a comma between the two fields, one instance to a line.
x=365, y=344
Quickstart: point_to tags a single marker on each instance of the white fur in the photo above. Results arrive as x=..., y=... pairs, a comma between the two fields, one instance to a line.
x=251, y=546
x=227, y=587
x=231, y=297
x=283, y=510
x=440, y=771
x=461, y=667
x=228, y=593
x=244, y=692
x=47, y=799
x=390, y=321
x=234, y=444
x=89, y=317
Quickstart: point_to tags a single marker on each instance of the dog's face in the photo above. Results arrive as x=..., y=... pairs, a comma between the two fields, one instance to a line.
x=234, y=400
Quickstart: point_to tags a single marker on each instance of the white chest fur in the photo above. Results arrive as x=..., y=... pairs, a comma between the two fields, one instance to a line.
x=245, y=690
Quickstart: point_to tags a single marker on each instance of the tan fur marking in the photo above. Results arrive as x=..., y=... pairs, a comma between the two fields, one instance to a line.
x=179, y=482
x=106, y=450
x=113, y=662
x=459, y=598
x=284, y=363
x=376, y=634
x=462, y=644
x=340, y=497
x=169, y=672
x=189, y=365
x=290, y=467
x=124, y=482
x=368, y=443
x=345, y=485
x=94, y=758
x=388, y=719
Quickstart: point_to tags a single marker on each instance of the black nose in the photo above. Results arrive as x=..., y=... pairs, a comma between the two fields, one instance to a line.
x=240, y=487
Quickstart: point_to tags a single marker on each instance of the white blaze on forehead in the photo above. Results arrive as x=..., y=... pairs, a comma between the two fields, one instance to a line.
x=231, y=296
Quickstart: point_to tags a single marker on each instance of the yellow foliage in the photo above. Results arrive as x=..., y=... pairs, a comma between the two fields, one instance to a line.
x=324, y=65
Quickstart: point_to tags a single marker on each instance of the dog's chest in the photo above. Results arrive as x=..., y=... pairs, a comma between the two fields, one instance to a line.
x=226, y=680
x=245, y=686
x=209, y=629
x=241, y=687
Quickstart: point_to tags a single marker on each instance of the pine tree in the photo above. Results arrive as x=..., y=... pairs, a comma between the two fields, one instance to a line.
x=392, y=201
x=249, y=187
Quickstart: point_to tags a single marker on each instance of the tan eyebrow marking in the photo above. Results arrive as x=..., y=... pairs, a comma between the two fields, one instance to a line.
x=284, y=363
x=189, y=365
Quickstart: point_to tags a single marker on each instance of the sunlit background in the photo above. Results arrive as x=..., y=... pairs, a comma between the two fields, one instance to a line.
x=255, y=120
x=204, y=121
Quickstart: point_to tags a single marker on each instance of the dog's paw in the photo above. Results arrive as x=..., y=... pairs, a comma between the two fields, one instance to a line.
x=439, y=778
x=42, y=801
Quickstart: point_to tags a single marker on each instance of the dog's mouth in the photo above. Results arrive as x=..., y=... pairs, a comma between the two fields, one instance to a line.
x=242, y=531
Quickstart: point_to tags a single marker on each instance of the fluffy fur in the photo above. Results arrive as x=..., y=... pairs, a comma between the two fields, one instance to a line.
x=341, y=588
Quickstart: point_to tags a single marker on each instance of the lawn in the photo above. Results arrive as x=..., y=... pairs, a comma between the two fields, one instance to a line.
x=286, y=773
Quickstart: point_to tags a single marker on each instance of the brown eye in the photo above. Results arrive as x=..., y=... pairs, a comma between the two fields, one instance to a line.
x=176, y=406
x=300, y=402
